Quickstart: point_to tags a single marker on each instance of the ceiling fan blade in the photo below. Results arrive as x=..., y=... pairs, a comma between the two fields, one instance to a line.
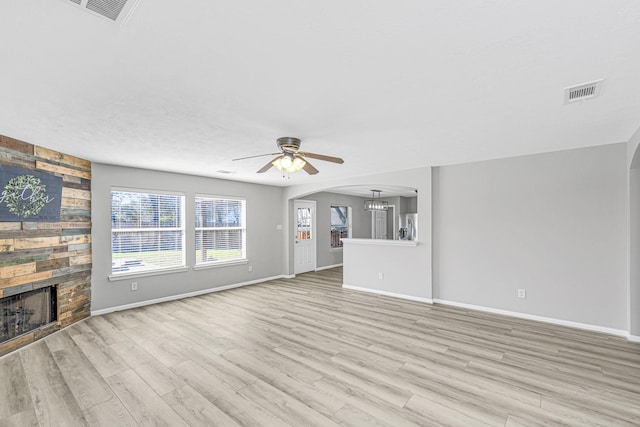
x=308, y=168
x=267, y=166
x=251, y=157
x=322, y=157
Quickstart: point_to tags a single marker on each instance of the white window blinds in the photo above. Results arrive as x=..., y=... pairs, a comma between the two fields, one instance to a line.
x=147, y=231
x=220, y=230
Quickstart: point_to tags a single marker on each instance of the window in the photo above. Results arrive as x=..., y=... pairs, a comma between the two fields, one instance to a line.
x=340, y=225
x=304, y=224
x=220, y=230
x=147, y=231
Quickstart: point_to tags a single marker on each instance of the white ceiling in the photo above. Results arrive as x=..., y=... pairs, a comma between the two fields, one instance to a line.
x=387, y=85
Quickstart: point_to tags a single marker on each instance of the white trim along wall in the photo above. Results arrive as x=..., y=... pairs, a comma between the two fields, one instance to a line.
x=180, y=296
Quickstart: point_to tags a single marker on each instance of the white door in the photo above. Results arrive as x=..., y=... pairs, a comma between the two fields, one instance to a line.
x=379, y=224
x=304, y=236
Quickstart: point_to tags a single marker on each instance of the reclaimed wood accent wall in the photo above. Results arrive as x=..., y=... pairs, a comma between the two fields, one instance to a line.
x=38, y=254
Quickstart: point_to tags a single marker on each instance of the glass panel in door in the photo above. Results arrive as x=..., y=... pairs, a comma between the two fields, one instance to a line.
x=304, y=224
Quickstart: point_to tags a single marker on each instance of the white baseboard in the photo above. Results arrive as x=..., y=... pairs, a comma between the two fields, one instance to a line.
x=551, y=320
x=327, y=267
x=633, y=338
x=388, y=294
x=180, y=296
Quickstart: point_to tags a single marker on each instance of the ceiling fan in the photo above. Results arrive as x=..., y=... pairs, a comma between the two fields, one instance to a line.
x=290, y=159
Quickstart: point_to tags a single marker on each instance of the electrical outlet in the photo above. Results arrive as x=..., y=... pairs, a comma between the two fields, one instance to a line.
x=380, y=276
x=250, y=268
x=134, y=286
x=522, y=293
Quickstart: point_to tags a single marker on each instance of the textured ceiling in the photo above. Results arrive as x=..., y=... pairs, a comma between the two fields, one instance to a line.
x=187, y=86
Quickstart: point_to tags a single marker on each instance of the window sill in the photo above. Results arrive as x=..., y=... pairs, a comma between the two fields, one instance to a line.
x=125, y=276
x=220, y=264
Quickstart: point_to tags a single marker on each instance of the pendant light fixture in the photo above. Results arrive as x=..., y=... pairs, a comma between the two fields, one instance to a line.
x=375, y=204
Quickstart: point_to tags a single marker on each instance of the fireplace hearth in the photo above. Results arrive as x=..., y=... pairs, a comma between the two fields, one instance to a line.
x=27, y=311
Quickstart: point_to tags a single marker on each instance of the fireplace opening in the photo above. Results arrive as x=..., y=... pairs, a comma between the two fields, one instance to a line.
x=26, y=311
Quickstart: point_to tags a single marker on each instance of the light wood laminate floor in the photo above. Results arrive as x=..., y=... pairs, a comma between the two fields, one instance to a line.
x=306, y=352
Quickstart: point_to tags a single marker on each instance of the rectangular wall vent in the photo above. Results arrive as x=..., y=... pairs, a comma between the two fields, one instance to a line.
x=583, y=91
x=107, y=8
x=115, y=10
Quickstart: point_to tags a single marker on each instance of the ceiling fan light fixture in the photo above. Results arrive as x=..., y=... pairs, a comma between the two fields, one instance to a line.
x=375, y=204
x=290, y=159
x=297, y=164
x=289, y=163
x=286, y=161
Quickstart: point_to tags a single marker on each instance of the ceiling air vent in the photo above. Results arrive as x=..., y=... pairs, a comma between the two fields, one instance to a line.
x=583, y=91
x=107, y=8
x=114, y=10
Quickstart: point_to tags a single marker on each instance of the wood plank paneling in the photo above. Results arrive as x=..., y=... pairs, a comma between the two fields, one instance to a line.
x=62, y=158
x=6, y=245
x=17, y=270
x=39, y=254
x=70, y=203
x=10, y=226
x=47, y=242
x=12, y=144
x=80, y=259
x=62, y=170
x=25, y=278
x=74, y=193
x=52, y=264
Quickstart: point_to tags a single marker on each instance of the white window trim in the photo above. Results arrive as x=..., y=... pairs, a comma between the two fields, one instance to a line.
x=224, y=263
x=161, y=271
x=214, y=264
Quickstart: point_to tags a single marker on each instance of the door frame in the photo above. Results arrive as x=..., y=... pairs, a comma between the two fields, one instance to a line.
x=391, y=211
x=314, y=231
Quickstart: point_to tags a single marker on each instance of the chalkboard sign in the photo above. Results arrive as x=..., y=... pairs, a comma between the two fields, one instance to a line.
x=27, y=195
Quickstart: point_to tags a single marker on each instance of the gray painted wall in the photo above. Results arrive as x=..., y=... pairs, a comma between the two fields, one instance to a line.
x=364, y=262
x=633, y=155
x=634, y=249
x=412, y=204
x=360, y=220
x=553, y=224
x=264, y=242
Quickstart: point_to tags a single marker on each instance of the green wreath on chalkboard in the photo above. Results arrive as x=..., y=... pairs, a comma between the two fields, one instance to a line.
x=23, y=195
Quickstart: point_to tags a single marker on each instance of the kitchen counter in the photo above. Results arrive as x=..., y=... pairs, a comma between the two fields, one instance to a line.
x=381, y=242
